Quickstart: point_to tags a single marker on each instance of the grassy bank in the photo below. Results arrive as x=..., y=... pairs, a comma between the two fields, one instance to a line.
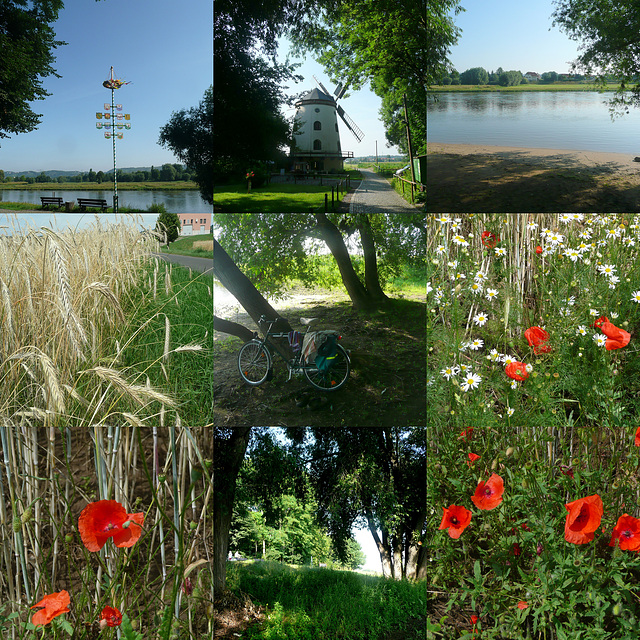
x=273, y=198
x=99, y=186
x=200, y=246
x=303, y=603
x=557, y=86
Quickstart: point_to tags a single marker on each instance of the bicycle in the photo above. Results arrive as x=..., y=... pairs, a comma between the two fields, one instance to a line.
x=255, y=361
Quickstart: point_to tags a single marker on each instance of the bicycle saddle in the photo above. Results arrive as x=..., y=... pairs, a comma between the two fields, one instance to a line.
x=307, y=321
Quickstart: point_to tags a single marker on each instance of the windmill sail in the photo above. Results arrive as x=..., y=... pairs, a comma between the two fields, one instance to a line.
x=321, y=85
x=351, y=125
x=339, y=92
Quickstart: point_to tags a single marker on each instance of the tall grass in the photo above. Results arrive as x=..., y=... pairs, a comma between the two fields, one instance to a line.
x=80, y=423
x=304, y=603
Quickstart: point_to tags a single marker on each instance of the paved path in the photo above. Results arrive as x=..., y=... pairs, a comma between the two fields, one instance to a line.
x=203, y=265
x=376, y=195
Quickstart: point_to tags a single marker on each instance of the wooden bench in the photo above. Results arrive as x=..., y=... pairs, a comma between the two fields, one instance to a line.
x=46, y=201
x=83, y=203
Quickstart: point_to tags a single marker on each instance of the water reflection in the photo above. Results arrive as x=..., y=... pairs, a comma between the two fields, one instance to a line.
x=553, y=119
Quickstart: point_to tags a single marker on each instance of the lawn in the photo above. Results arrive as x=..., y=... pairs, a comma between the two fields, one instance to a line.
x=533, y=400
x=274, y=198
x=198, y=246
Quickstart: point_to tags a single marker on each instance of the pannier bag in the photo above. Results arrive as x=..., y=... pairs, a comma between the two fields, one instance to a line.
x=320, y=347
x=294, y=340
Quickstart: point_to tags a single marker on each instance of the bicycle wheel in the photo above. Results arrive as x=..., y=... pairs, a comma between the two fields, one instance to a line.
x=254, y=363
x=335, y=377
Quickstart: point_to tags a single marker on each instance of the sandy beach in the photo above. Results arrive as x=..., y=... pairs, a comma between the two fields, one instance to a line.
x=470, y=178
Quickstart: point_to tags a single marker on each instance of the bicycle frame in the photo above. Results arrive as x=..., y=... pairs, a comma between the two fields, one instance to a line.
x=293, y=365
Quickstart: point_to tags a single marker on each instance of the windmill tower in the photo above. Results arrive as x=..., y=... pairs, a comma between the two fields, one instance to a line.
x=317, y=143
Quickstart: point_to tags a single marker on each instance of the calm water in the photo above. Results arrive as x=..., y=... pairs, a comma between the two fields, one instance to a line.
x=174, y=201
x=554, y=120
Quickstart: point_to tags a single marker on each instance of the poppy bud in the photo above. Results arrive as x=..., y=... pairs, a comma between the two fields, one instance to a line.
x=17, y=524
x=617, y=609
x=68, y=538
x=27, y=515
x=494, y=464
x=193, y=525
x=539, y=548
x=509, y=451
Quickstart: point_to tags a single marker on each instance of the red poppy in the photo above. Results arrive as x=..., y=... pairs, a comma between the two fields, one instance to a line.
x=489, y=239
x=516, y=549
x=600, y=321
x=523, y=604
x=472, y=458
x=538, y=249
x=54, y=604
x=456, y=519
x=488, y=494
x=474, y=619
x=466, y=434
x=583, y=519
x=112, y=616
x=636, y=442
x=517, y=371
x=106, y=519
x=616, y=338
x=537, y=338
x=627, y=531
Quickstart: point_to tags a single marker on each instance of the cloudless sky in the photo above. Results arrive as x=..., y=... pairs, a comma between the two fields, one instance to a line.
x=164, y=48
x=512, y=35
x=361, y=106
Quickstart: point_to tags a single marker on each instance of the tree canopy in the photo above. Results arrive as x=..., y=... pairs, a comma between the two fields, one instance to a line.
x=442, y=34
x=608, y=32
x=189, y=135
x=27, y=41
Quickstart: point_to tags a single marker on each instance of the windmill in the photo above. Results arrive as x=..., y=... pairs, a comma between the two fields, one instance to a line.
x=317, y=139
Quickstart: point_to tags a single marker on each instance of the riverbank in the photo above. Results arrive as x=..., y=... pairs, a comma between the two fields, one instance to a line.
x=481, y=178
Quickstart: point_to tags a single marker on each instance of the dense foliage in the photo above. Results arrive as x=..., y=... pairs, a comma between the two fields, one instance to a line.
x=27, y=41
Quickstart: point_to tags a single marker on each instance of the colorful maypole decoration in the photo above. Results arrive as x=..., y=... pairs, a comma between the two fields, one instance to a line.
x=114, y=125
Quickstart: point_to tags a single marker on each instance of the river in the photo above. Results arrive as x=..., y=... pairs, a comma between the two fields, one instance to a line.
x=552, y=120
x=182, y=201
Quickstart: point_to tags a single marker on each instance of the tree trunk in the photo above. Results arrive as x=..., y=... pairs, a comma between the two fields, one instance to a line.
x=234, y=281
x=371, y=277
x=233, y=328
x=228, y=455
x=332, y=236
x=383, y=546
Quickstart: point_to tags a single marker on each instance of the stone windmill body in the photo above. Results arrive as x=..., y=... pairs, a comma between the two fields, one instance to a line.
x=317, y=141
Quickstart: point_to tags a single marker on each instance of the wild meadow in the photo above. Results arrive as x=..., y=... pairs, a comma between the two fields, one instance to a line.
x=533, y=396
x=106, y=489
x=306, y=603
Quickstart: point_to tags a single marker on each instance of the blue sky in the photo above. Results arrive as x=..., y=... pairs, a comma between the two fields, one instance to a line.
x=162, y=47
x=362, y=106
x=511, y=35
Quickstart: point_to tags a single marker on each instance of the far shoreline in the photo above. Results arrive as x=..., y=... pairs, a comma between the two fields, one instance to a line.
x=475, y=88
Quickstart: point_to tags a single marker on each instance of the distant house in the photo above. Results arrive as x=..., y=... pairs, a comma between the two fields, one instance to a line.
x=532, y=76
x=194, y=223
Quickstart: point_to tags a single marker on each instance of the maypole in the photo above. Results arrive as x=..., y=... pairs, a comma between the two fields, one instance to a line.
x=111, y=115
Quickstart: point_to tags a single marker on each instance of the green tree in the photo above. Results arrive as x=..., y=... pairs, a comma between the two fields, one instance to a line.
x=608, y=33
x=168, y=173
x=189, y=135
x=92, y=175
x=169, y=224
x=510, y=78
x=549, y=76
x=27, y=41
x=476, y=75
x=100, y=176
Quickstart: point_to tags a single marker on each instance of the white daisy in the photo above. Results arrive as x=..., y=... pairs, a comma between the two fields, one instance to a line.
x=471, y=381
x=476, y=288
x=600, y=339
x=510, y=411
x=500, y=251
x=607, y=269
x=635, y=296
x=581, y=330
x=476, y=344
x=494, y=355
x=460, y=240
x=572, y=254
x=492, y=293
x=480, y=319
x=449, y=372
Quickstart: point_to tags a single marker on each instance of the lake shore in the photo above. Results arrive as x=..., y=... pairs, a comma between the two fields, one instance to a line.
x=483, y=178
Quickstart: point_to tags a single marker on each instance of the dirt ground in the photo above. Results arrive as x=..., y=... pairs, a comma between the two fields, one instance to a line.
x=387, y=382
x=468, y=178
